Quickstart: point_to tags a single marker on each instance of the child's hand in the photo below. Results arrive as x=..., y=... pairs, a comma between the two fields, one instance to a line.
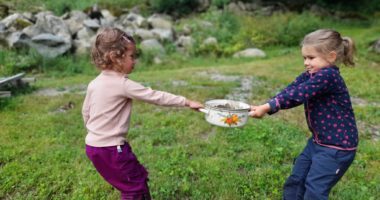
x=194, y=104
x=259, y=111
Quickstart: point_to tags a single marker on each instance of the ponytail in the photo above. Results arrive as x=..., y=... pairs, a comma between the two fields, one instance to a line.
x=348, y=51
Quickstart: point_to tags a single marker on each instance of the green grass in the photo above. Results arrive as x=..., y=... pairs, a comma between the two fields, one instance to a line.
x=42, y=151
x=59, y=7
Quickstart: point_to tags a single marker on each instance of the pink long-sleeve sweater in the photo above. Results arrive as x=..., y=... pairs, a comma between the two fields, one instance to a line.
x=107, y=107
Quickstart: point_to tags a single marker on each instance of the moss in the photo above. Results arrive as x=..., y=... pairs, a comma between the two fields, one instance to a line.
x=20, y=24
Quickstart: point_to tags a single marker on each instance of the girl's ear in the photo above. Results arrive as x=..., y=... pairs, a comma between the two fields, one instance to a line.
x=113, y=56
x=332, y=57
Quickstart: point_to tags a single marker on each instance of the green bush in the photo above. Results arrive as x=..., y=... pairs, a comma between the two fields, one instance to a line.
x=225, y=26
x=174, y=7
x=296, y=28
x=59, y=7
x=280, y=29
x=237, y=32
x=220, y=3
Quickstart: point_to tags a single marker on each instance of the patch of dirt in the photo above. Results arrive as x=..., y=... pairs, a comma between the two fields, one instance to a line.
x=242, y=93
x=79, y=89
x=179, y=83
x=372, y=130
x=362, y=102
x=214, y=75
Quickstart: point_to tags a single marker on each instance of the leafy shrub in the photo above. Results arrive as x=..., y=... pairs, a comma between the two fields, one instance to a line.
x=225, y=26
x=220, y=3
x=175, y=7
x=237, y=32
x=297, y=27
x=59, y=7
x=280, y=29
x=364, y=6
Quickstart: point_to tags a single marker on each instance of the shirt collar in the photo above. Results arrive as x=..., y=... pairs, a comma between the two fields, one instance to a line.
x=113, y=73
x=330, y=66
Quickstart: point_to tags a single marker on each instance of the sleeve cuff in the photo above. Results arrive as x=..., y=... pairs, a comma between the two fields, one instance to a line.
x=274, y=106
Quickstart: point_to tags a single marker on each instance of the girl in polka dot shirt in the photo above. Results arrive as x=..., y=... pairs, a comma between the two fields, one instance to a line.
x=329, y=115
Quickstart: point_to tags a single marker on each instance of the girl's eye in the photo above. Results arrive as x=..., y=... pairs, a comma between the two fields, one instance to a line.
x=308, y=57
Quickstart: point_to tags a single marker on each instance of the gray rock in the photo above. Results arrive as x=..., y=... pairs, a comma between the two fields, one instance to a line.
x=160, y=22
x=75, y=21
x=210, y=41
x=163, y=34
x=49, y=45
x=376, y=46
x=144, y=34
x=92, y=23
x=152, y=45
x=186, y=42
x=252, y=52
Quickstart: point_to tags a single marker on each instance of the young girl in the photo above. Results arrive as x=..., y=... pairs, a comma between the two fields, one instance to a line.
x=329, y=115
x=107, y=112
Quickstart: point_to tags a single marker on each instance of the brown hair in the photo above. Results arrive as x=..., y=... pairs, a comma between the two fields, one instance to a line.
x=327, y=40
x=110, y=42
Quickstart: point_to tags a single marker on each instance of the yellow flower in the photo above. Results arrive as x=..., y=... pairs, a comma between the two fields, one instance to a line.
x=232, y=119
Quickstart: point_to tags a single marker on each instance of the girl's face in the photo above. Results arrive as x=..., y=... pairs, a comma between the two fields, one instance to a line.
x=128, y=60
x=314, y=61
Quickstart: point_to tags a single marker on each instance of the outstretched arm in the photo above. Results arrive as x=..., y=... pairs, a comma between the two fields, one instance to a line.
x=137, y=91
x=320, y=83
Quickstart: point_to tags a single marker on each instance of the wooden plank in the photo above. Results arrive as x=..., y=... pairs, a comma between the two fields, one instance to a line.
x=4, y=94
x=29, y=80
x=11, y=78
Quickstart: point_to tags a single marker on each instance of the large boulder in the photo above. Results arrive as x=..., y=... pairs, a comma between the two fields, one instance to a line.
x=251, y=52
x=185, y=42
x=144, y=34
x=132, y=20
x=49, y=45
x=160, y=21
x=50, y=35
x=163, y=34
x=16, y=22
x=152, y=46
x=75, y=21
x=85, y=38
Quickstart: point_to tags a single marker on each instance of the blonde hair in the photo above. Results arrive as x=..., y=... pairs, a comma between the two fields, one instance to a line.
x=327, y=40
x=110, y=42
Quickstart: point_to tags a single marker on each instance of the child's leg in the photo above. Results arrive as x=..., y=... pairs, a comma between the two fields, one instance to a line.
x=120, y=167
x=294, y=187
x=128, y=196
x=328, y=166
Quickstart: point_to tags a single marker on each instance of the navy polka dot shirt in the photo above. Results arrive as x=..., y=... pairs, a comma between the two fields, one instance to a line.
x=328, y=108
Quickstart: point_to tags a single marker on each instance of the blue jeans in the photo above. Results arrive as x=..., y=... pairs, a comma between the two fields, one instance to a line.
x=316, y=170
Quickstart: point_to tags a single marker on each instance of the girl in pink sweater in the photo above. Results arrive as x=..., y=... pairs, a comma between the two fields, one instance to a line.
x=107, y=111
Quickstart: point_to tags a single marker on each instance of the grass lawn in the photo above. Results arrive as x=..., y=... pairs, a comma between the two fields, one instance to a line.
x=42, y=149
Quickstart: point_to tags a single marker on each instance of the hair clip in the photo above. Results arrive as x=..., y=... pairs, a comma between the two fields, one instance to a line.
x=126, y=39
